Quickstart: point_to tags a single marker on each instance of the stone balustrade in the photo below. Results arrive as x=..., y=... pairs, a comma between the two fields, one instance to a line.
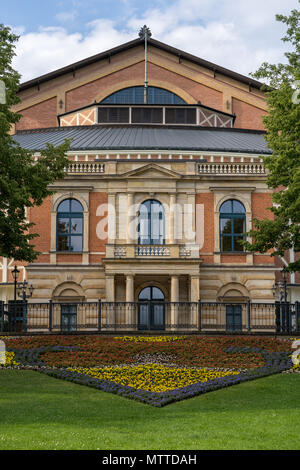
x=85, y=168
x=231, y=169
x=151, y=251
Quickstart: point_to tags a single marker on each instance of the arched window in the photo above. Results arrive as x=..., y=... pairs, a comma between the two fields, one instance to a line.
x=151, y=226
x=232, y=225
x=135, y=95
x=69, y=227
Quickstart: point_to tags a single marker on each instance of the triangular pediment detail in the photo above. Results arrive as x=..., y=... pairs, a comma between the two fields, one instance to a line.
x=151, y=170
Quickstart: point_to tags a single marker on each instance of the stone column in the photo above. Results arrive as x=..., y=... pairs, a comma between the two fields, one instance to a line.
x=130, y=308
x=174, y=298
x=190, y=228
x=129, y=217
x=111, y=238
x=53, y=238
x=110, y=288
x=194, y=296
x=172, y=218
x=110, y=297
x=194, y=288
x=85, y=254
x=129, y=288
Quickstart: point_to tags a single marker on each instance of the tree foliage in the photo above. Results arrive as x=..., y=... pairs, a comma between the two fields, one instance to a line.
x=23, y=181
x=283, y=137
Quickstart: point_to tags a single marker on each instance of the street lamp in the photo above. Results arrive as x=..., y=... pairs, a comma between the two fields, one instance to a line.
x=280, y=288
x=25, y=291
x=15, y=273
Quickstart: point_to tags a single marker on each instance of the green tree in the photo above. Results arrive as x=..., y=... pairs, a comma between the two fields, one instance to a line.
x=23, y=182
x=283, y=138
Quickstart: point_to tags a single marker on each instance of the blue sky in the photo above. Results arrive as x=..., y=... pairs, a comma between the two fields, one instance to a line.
x=44, y=13
x=239, y=35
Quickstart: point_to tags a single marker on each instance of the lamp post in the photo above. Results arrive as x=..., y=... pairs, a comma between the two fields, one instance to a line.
x=25, y=291
x=280, y=288
x=15, y=273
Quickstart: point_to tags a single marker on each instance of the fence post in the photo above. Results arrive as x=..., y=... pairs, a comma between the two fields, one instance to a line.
x=50, y=315
x=288, y=317
x=25, y=316
x=99, y=315
x=277, y=313
x=283, y=306
x=297, y=316
x=249, y=314
x=199, y=315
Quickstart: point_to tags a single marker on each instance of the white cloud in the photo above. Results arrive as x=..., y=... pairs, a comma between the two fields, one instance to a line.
x=66, y=16
x=51, y=48
x=237, y=35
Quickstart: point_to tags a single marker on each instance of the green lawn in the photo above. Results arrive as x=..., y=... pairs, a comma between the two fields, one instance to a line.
x=40, y=412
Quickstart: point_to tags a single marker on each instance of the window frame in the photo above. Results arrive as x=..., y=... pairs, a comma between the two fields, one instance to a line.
x=232, y=216
x=69, y=215
x=138, y=98
x=150, y=221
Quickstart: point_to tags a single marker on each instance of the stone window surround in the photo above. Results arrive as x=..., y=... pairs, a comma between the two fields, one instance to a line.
x=222, y=194
x=167, y=198
x=83, y=197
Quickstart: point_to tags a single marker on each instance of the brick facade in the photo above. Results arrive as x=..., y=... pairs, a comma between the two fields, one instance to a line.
x=113, y=269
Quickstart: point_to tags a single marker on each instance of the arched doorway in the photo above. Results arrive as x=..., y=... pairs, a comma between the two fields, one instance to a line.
x=151, y=309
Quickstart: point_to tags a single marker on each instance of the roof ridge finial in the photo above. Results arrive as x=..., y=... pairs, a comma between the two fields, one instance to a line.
x=145, y=32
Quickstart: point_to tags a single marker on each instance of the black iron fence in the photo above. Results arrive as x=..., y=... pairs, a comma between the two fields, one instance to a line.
x=206, y=317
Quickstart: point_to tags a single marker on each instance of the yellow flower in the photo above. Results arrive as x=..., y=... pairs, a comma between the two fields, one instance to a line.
x=9, y=360
x=153, y=377
x=139, y=339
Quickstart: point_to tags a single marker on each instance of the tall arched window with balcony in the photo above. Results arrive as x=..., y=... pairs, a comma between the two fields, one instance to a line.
x=151, y=223
x=232, y=226
x=69, y=226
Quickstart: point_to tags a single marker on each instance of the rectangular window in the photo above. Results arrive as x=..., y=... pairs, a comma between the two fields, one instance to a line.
x=225, y=226
x=62, y=225
x=76, y=226
x=75, y=243
x=180, y=116
x=238, y=225
x=113, y=115
x=237, y=246
x=147, y=115
x=226, y=243
x=62, y=243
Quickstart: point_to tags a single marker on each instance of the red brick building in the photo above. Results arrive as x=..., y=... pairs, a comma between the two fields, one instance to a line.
x=158, y=195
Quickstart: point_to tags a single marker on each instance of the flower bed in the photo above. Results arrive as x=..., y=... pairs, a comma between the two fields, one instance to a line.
x=156, y=369
x=9, y=360
x=151, y=339
x=153, y=377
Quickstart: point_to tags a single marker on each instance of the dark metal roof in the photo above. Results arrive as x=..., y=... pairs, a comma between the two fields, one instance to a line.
x=136, y=42
x=104, y=138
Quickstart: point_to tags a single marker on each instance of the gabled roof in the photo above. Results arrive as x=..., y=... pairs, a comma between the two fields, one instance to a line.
x=131, y=137
x=129, y=45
